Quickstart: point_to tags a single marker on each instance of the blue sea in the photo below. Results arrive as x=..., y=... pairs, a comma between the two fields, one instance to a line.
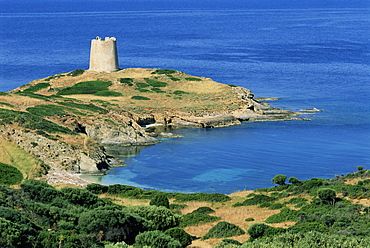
x=310, y=54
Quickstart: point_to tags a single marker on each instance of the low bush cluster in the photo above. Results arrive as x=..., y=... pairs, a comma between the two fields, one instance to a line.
x=223, y=229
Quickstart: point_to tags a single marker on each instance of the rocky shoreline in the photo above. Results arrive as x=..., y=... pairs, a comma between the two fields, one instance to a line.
x=102, y=123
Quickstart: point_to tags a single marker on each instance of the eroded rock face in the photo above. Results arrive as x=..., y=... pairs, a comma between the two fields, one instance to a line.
x=128, y=134
x=56, y=154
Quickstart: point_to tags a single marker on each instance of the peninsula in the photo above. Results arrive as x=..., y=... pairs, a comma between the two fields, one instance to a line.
x=63, y=121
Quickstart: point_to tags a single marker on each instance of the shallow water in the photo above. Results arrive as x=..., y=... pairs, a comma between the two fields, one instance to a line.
x=309, y=55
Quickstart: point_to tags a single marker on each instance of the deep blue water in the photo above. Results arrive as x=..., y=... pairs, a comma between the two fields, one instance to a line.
x=308, y=53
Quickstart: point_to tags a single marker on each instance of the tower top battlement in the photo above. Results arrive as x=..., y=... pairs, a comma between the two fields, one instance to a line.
x=103, y=54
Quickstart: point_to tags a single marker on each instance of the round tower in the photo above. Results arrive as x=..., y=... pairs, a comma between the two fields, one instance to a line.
x=103, y=54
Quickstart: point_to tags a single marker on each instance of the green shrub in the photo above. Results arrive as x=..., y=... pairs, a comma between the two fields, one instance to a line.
x=140, y=98
x=305, y=227
x=179, y=234
x=285, y=214
x=155, y=83
x=277, y=205
x=180, y=92
x=31, y=121
x=265, y=205
x=308, y=240
x=128, y=81
x=124, y=191
x=108, y=93
x=163, y=71
x=87, y=87
x=3, y=93
x=222, y=230
x=296, y=200
x=214, y=197
x=194, y=219
x=204, y=210
x=174, y=206
x=173, y=78
x=192, y=79
x=142, y=85
x=37, y=87
x=47, y=110
x=160, y=200
x=76, y=72
x=257, y=230
x=156, y=239
x=88, y=107
x=7, y=104
x=327, y=196
x=158, y=218
x=116, y=225
x=249, y=219
x=9, y=175
x=294, y=180
x=255, y=200
x=97, y=188
x=33, y=95
x=279, y=179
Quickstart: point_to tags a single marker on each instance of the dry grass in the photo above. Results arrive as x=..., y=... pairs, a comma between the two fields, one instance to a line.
x=17, y=157
x=204, y=96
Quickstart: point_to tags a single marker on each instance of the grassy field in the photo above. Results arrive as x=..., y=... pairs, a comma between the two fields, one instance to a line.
x=23, y=161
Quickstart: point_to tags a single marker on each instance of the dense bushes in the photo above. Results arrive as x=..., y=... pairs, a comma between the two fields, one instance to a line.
x=156, y=239
x=157, y=218
x=215, y=197
x=31, y=121
x=160, y=200
x=114, y=225
x=223, y=229
x=255, y=200
x=194, y=219
x=179, y=234
x=9, y=175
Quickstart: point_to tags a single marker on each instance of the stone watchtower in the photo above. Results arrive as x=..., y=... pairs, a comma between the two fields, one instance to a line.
x=103, y=55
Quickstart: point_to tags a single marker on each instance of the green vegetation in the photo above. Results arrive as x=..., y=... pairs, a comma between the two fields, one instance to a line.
x=155, y=83
x=87, y=87
x=54, y=77
x=180, y=92
x=279, y=179
x=224, y=229
x=156, y=239
x=194, y=219
x=179, y=234
x=163, y=71
x=76, y=72
x=140, y=98
x=31, y=121
x=108, y=93
x=160, y=200
x=48, y=110
x=193, y=79
x=37, y=87
x=308, y=240
x=3, y=93
x=255, y=200
x=215, y=197
x=204, y=210
x=6, y=104
x=9, y=175
x=128, y=81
